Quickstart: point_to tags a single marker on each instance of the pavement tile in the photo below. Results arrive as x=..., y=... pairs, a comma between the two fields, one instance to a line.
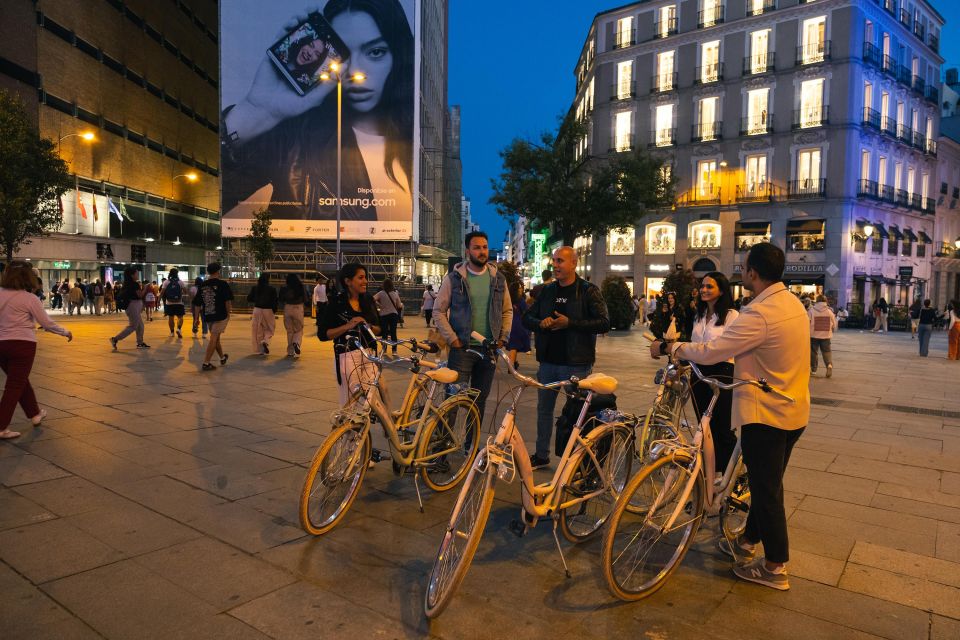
x=207, y=438
x=244, y=527
x=818, y=568
x=170, y=497
x=161, y=459
x=906, y=563
x=227, y=482
x=870, y=515
x=17, y=470
x=16, y=510
x=950, y=483
x=834, y=526
x=132, y=529
x=895, y=440
x=53, y=549
x=916, y=507
x=948, y=541
x=942, y=628
x=908, y=492
x=885, y=471
x=29, y=613
x=829, y=485
x=239, y=458
x=902, y=589
x=113, y=441
x=75, y=425
x=69, y=496
x=842, y=446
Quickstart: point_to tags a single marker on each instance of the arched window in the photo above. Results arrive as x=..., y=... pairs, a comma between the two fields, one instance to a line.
x=704, y=235
x=661, y=238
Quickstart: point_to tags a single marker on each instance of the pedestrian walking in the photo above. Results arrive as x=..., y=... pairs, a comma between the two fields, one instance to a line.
x=216, y=298
x=519, y=341
x=149, y=300
x=130, y=300
x=109, y=301
x=20, y=312
x=75, y=299
x=264, y=298
x=953, y=330
x=713, y=316
x=546, y=277
x=822, y=325
x=65, y=294
x=196, y=308
x=293, y=297
x=56, y=298
x=388, y=301
x=566, y=318
x=319, y=298
x=96, y=290
x=915, y=307
x=173, y=306
x=650, y=309
x=925, y=327
x=473, y=297
x=429, y=299
x=880, y=311
x=768, y=341
x=341, y=322
x=87, y=287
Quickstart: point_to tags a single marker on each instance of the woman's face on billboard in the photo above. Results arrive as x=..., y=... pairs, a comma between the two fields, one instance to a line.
x=369, y=55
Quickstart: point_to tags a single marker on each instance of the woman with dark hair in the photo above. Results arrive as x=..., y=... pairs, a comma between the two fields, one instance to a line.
x=276, y=136
x=196, y=307
x=264, y=322
x=132, y=295
x=519, y=341
x=341, y=321
x=391, y=308
x=293, y=296
x=953, y=330
x=714, y=314
x=20, y=313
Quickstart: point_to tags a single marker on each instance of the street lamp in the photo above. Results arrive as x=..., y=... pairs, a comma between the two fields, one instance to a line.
x=956, y=243
x=190, y=177
x=868, y=230
x=335, y=73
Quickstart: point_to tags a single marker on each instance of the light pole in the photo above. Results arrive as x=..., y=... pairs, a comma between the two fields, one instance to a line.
x=190, y=177
x=335, y=70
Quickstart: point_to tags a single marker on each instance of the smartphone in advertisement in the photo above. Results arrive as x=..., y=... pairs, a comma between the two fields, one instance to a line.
x=306, y=51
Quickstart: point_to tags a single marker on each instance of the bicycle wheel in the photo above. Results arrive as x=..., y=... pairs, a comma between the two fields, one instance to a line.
x=448, y=443
x=736, y=507
x=334, y=477
x=639, y=554
x=415, y=409
x=461, y=538
x=596, y=488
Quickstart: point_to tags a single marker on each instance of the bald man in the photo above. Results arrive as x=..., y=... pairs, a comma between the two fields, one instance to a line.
x=566, y=318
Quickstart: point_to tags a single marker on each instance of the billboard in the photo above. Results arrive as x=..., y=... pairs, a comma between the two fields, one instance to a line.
x=278, y=117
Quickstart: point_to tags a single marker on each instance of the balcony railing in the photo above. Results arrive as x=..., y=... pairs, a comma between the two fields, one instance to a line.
x=665, y=28
x=904, y=76
x=904, y=133
x=663, y=138
x=890, y=6
x=623, y=91
x=624, y=39
x=932, y=94
x=919, y=140
x=933, y=42
x=757, y=192
x=929, y=206
x=901, y=198
x=919, y=30
x=872, y=54
x=761, y=63
x=814, y=52
x=887, y=193
x=709, y=73
x=811, y=117
x=916, y=202
x=871, y=118
x=868, y=189
x=710, y=17
x=809, y=188
x=759, y=7
x=889, y=126
x=699, y=196
x=890, y=65
x=918, y=85
x=623, y=142
x=756, y=125
x=706, y=131
x=663, y=82
x=905, y=18
x=931, y=147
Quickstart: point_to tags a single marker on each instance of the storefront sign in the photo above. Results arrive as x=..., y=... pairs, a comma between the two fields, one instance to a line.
x=619, y=267
x=906, y=273
x=61, y=264
x=658, y=268
x=799, y=267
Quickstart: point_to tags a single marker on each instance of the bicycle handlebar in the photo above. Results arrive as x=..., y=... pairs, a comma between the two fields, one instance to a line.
x=422, y=347
x=493, y=351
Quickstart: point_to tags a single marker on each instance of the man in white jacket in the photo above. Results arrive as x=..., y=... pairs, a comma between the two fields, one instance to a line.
x=822, y=325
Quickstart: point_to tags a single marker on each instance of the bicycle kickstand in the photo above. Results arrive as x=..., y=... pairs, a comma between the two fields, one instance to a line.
x=416, y=485
x=563, y=560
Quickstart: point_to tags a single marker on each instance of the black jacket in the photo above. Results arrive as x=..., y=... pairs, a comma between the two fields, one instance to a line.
x=264, y=297
x=588, y=317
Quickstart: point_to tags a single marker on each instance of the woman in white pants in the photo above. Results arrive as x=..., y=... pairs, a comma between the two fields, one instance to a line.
x=294, y=297
x=264, y=323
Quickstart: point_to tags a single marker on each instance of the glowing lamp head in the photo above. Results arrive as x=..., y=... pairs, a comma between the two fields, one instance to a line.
x=868, y=230
x=192, y=177
x=956, y=243
x=87, y=135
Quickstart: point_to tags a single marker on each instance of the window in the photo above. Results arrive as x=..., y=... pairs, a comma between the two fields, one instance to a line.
x=755, y=7
x=814, y=40
x=589, y=96
x=756, y=175
x=805, y=235
x=712, y=13
x=664, y=124
x=704, y=235
x=747, y=234
x=757, y=101
x=867, y=100
x=900, y=124
x=759, y=45
x=623, y=131
x=624, y=34
x=624, y=80
x=710, y=62
x=892, y=241
x=864, y=165
x=661, y=238
x=808, y=168
x=882, y=170
x=665, y=71
x=921, y=248
x=666, y=176
x=906, y=245
x=705, y=173
x=868, y=35
x=925, y=186
x=884, y=107
x=667, y=24
x=811, y=103
x=911, y=177
x=620, y=243
x=876, y=240
x=707, y=123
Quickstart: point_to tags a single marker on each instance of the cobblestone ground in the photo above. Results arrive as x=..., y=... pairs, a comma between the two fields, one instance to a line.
x=160, y=501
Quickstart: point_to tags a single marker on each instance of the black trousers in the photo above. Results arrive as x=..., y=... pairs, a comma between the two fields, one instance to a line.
x=388, y=327
x=766, y=452
x=724, y=439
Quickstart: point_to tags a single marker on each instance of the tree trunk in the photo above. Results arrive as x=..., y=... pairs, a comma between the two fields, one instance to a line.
x=9, y=253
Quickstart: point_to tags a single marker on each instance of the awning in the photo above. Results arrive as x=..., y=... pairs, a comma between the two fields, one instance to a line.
x=910, y=235
x=803, y=279
x=759, y=228
x=879, y=228
x=924, y=238
x=805, y=225
x=895, y=230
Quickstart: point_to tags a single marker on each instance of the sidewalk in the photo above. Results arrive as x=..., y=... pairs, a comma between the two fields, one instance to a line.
x=161, y=501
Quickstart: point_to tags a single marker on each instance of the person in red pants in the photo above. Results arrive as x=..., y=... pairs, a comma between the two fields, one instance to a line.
x=20, y=312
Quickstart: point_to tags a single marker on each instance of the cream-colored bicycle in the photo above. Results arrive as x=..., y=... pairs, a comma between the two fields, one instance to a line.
x=436, y=440
x=594, y=467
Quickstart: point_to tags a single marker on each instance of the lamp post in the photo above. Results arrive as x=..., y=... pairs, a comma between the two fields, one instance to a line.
x=190, y=177
x=336, y=72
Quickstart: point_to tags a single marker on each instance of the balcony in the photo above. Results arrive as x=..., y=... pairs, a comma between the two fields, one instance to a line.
x=759, y=7
x=665, y=28
x=808, y=188
x=663, y=138
x=890, y=6
x=700, y=196
x=757, y=192
x=904, y=76
x=709, y=73
x=890, y=65
x=904, y=133
x=889, y=126
x=710, y=17
x=929, y=206
x=931, y=147
x=919, y=30
x=905, y=18
x=868, y=189
x=918, y=85
x=871, y=118
x=916, y=202
x=872, y=54
x=933, y=42
x=901, y=198
x=919, y=141
x=706, y=131
x=813, y=53
x=756, y=125
x=624, y=39
x=932, y=94
x=663, y=82
x=622, y=143
x=622, y=91
x=887, y=194
x=762, y=63
x=811, y=117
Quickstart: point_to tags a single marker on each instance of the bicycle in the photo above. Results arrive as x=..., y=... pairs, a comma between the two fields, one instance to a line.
x=659, y=512
x=438, y=442
x=584, y=487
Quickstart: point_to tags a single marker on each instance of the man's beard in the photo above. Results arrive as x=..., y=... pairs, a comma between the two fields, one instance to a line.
x=478, y=265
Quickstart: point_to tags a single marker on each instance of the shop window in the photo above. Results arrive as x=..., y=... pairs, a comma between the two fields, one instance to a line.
x=805, y=235
x=747, y=234
x=620, y=243
x=661, y=238
x=705, y=235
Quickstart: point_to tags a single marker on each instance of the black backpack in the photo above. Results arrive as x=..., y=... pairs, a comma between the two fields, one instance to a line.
x=571, y=411
x=122, y=297
x=173, y=292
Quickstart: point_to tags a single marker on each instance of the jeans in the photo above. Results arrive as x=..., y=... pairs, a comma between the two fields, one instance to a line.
x=16, y=360
x=766, y=452
x=823, y=346
x=924, y=331
x=475, y=370
x=388, y=327
x=547, y=400
x=724, y=439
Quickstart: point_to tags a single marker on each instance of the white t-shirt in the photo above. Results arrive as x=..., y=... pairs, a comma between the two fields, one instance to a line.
x=320, y=293
x=396, y=202
x=428, y=299
x=388, y=302
x=705, y=329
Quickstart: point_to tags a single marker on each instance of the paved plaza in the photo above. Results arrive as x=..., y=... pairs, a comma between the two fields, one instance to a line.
x=159, y=501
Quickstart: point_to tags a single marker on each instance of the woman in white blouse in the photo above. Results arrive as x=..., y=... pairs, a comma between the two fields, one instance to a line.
x=715, y=313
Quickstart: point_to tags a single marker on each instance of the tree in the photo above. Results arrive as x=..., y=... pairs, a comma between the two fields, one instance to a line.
x=33, y=177
x=548, y=183
x=616, y=294
x=260, y=241
x=511, y=273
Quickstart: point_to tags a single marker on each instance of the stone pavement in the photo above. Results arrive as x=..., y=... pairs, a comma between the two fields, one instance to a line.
x=160, y=501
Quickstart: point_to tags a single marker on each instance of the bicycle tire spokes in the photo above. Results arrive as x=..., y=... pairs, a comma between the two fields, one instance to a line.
x=337, y=476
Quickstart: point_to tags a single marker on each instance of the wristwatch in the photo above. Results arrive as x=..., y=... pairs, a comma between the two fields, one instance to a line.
x=664, y=348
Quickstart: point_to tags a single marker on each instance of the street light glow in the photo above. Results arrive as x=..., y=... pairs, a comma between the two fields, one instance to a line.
x=87, y=135
x=868, y=230
x=334, y=66
x=359, y=77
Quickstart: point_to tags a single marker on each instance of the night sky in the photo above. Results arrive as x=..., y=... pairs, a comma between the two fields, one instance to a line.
x=511, y=70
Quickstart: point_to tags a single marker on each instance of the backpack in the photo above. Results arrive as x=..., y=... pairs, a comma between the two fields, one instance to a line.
x=173, y=292
x=571, y=411
x=122, y=298
x=97, y=290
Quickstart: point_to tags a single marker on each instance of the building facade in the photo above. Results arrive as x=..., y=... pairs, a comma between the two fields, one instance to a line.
x=141, y=77
x=946, y=261
x=805, y=123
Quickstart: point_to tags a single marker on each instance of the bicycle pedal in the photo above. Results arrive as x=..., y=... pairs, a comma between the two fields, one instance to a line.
x=379, y=456
x=517, y=528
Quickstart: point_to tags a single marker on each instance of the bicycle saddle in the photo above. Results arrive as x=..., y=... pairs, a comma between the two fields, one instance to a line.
x=598, y=383
x=442, y=375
